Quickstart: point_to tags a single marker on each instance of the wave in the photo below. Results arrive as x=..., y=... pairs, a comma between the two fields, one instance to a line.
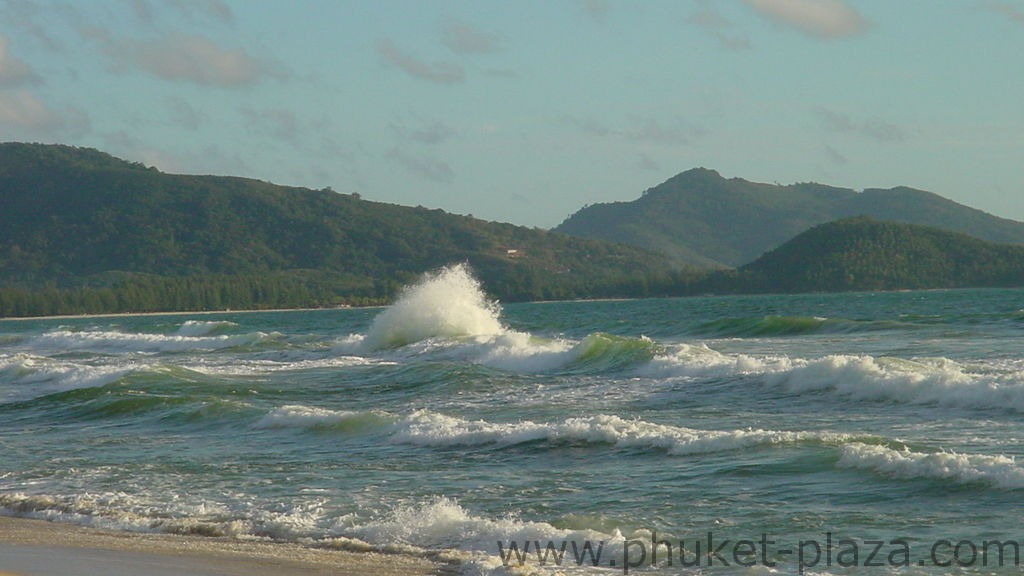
x=937, y=381
x=448, y=303
x=596, y=353
x=260, y=366
x=433, y=429
x=427, y=428
x=205, y=327
x=443, y=524
x=313, y=418
x=24, y=376
x=437, y=527
x=790, y=326
x=111, y=341
x=996, y=471
x=925, y=381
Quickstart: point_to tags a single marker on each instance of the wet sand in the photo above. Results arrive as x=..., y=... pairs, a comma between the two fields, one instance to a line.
x=40, y=548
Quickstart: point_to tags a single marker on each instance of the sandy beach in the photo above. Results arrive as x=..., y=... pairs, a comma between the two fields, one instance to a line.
x=40, y=548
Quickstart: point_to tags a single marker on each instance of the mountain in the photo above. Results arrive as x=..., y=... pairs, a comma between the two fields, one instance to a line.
x=79, y=219
x=862, y=254
x=700, y=218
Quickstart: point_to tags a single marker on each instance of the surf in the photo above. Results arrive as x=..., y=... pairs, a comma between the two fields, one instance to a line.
x=448, y=303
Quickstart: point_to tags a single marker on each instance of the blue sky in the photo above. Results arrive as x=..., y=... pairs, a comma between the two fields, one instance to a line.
x=523, y=111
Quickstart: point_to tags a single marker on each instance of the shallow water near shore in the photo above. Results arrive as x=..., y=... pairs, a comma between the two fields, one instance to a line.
x=449, y=423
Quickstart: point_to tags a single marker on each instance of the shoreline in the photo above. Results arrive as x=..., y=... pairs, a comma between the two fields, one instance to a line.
x=179, y=313
x=31, y=547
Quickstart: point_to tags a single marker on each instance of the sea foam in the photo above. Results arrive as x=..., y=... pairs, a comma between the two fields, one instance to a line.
x=996, y=471
x=204, y=327
x=448, y=303
x=25, y=376
x=111, y=341
x=427, y=428
x=936, y=381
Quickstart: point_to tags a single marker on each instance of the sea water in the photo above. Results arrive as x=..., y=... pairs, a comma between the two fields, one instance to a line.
x=820, y=434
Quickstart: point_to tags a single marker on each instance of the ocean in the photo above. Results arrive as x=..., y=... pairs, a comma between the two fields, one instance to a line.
x=864, y=433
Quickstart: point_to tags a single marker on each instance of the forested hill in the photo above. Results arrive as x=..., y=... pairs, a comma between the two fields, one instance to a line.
x=699, y=217
x=145, y=240
x=865, y=254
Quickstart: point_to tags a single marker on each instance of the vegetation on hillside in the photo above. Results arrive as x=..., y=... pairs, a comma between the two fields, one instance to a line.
x=80, y=227
x=700, y=218
x=83, y=232
x=864, y=254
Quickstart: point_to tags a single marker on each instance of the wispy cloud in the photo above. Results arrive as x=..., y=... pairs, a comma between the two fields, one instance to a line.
x=672, y=132
x=462, y=38
x=186, y=58
x=183, y=114
x=429, y=168
x=873, y=127
x=645, y=162
x=149, y=11
x=588, y=125
x=34, y=19
x=835, y=156
x=277, y=123
x=13, y=72
x=1012, y=12
x=429, y=133
x=712, y=22
x=595, y=8
x=24, y=116
x=439, y=72
x=824, y=19
x=640, y=128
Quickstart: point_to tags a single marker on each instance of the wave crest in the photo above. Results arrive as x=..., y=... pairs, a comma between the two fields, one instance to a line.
x=449, y=303
x=996, y=471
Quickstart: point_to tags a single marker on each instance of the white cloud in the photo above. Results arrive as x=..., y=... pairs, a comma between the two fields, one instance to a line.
x=825, y=19
x=439, y=72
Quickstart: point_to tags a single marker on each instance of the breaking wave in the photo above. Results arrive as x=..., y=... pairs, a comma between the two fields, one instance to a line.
x=789, y=326
x=995, y=471
x=25, y=376
x=926, y=381
x=433, y=429
x=448, y=303
x=111, y=341
x=205, y=327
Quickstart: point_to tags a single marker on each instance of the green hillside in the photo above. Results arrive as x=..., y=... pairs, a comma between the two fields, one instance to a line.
x=864, y=254
x=700, y=218
x=103, y=234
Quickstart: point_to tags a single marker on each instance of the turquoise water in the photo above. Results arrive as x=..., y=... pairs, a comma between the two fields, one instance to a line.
x=448, y=423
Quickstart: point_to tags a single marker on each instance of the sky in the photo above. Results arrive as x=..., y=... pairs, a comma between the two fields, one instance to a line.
x=524, y=111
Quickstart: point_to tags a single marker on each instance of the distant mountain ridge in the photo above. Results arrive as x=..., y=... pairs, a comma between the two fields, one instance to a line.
x=77, y=216
x=700, y=218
